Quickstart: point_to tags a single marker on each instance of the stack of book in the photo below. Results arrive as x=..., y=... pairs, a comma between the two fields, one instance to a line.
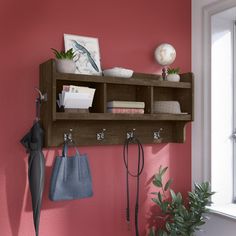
x=127, y=107
x=76, y=97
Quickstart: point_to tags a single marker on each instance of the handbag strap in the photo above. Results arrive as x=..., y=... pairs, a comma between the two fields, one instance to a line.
x=65, y=149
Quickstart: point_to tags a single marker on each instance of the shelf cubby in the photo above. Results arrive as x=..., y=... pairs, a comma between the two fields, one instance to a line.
x=127, y=92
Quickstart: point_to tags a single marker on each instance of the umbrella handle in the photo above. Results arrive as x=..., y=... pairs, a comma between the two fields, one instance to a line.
x=38, y=104
x=42, y=97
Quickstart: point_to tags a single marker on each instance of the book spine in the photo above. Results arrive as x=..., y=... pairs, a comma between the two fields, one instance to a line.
x=126, y=110
x=125, y=104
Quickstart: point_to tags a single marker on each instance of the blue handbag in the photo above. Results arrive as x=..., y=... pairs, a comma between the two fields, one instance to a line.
x=71, y=177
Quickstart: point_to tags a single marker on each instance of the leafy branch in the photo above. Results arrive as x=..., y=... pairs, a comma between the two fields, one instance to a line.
x=180, y=219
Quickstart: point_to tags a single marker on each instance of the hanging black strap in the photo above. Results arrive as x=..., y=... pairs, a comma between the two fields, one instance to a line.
x=136, y=175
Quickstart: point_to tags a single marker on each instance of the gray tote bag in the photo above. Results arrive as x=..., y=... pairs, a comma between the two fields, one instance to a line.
x=71, y=177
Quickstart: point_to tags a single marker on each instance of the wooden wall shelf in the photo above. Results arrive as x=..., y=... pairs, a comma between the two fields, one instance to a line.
x=141, y=87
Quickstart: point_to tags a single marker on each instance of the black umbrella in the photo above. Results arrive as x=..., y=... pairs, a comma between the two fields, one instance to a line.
x=33, y=142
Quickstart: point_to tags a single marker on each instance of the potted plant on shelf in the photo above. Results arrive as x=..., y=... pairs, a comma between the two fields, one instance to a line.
x=173, y=74
x=64, y=61
x=180, y=219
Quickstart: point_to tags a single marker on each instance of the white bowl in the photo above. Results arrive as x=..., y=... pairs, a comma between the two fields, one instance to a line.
x=118, y=72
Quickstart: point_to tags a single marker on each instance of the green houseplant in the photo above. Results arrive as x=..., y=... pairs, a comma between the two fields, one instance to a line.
x=173, y=74
x=64, y=61
x=180, y=218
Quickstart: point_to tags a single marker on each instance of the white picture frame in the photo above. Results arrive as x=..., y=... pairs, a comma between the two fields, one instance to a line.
x=87, y=52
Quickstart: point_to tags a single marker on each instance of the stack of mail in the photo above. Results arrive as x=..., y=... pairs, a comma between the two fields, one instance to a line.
x=76, y=97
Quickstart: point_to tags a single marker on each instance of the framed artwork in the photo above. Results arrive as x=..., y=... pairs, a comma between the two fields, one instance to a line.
x=87, y=53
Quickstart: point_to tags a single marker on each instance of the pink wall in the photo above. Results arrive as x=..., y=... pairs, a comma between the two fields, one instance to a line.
x=128, y=33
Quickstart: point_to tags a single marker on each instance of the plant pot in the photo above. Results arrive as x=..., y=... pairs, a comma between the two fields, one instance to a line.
x=65, y=66
x=173, y=77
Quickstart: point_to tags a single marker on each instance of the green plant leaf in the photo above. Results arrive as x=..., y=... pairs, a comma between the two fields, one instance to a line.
x=173, y=70
x=168, y=183
x=69, y=54
x=179, y=198
x=162, y=233
x=163, y=171
x=164, y=207
x=168, y=226
x=152, y=232
x=181, y=220
x=156, y=200
x=158, y=180
x=157, y=183
x=173, y=195
x=159, y=197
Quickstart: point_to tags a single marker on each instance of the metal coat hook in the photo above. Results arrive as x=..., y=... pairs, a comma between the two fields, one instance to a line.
x=130, y=134
x=157, y=134
x=42, y=97
x=101, y=135
x=68, y=137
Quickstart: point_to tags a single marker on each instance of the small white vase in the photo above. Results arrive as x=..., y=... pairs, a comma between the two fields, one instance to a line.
x=65, y=66
x=173, y=77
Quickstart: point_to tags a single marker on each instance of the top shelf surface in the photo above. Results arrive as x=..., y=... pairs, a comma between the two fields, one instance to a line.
x=139, y=79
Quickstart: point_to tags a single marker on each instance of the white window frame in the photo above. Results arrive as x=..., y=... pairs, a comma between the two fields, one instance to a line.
x=201, y=127
x=234, y=112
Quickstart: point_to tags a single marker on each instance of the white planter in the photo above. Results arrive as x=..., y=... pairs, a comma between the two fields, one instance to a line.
x=173, y=77
x=65, y=66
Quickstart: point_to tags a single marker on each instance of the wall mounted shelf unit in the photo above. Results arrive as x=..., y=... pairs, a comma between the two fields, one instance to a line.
x=141, y=87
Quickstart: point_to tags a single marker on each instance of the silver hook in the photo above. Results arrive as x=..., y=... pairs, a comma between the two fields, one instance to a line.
x=131, y=134
x=42, y=97
x=101, y=135
x=157, y=134
x=68, y=137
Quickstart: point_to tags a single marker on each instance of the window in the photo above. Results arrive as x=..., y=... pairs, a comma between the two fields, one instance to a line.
x=222, y=107
x=234, y=114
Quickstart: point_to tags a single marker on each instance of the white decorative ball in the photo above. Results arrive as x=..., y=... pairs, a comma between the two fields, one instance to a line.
x=165, y=54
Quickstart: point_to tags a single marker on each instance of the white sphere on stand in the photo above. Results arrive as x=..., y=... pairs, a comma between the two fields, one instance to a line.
x=165, y=54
